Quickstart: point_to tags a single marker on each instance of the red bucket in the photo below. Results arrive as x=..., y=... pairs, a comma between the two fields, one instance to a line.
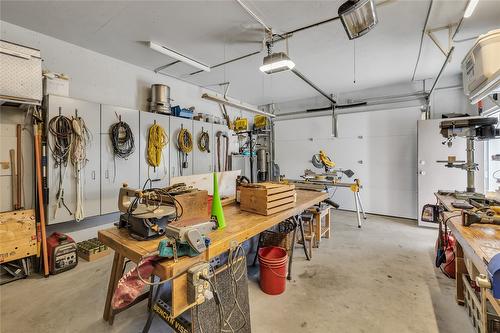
x=273, y=264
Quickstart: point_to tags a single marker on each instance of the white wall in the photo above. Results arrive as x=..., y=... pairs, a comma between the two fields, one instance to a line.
x=99, y=78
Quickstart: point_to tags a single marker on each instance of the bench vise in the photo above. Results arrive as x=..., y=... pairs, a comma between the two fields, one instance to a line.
x=185, y=241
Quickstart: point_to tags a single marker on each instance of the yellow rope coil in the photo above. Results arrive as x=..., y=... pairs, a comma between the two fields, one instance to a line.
x=157, y=140
x=185, y=141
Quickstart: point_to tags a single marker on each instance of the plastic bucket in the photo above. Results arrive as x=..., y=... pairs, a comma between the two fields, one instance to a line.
x=273, y=269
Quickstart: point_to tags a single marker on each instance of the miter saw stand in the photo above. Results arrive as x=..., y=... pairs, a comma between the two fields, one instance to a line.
x=329, y=179
x=471, y=129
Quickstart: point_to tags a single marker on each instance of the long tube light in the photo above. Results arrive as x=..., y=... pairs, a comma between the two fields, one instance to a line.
x=177, y=56
x=235, y=103
x=471, y=5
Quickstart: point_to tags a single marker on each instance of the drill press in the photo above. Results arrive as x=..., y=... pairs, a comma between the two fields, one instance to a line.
x=471, y=129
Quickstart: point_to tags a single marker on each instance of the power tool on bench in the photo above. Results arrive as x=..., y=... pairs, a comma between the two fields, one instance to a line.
x=146, y=216
x=488, y=216
x=190, y=240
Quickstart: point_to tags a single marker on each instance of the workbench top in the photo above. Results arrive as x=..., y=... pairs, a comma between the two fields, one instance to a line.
x=480, y=241
x=240, y=226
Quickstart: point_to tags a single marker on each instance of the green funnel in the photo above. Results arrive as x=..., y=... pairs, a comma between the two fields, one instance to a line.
x=217, y=211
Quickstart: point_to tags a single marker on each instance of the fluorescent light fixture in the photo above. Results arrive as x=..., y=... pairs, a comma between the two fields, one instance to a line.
x=471, y=5
x=177, y=56
x=235, y=103
x=358, y=17
x=276, y=62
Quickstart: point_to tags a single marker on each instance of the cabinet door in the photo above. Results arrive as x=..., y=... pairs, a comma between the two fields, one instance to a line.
x=176, y=157
x=202, y=160
x=158, y=175
x=90, y=178
x=115, y=170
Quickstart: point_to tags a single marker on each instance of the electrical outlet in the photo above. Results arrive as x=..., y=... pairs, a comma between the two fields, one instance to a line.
x=198, y=288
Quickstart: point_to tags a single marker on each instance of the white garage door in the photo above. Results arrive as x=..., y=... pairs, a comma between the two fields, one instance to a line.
x=379, y=146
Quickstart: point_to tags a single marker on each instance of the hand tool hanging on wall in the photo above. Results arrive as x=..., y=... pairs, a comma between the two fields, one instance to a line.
x=61, y=129
x=79, y=159
x=13, y=169
x=185, y=145
x=39, y=188
x=122, y=140
x=204, y=141
x=157, y=140
x=219, y=157
x=20, y=168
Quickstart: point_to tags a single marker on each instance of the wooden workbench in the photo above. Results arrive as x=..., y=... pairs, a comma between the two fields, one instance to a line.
x=476, y=244
x=240, y=226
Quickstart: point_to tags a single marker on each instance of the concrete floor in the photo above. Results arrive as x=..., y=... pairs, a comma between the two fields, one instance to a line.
x=378, y=279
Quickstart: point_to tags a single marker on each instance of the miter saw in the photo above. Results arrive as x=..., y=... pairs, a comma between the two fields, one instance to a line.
x=144, y=215
x=322, y=161
x=472, y=129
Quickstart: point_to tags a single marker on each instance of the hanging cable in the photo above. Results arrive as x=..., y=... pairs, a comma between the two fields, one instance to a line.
x=61, y=130
x=157, y=140
x=185, y=145
x=79, y=159
x=204, y=141
x=122, y=139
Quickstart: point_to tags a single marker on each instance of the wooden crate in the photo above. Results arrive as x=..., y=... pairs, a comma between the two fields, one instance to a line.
x=92, y=249
x=17, y=235
x=93, y=256
x=267, y=198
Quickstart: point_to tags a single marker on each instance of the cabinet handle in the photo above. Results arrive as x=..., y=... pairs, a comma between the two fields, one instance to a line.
x=93, y=175
x=106, y=174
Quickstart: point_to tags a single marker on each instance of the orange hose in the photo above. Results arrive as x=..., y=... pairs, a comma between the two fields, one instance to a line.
x=40, y=199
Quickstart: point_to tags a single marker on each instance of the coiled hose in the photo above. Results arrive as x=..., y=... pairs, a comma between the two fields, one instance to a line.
x=122, y=139
x=157, y=140
x=185, y=144
x=204, y=141
x=79, y=159
x=61, y=130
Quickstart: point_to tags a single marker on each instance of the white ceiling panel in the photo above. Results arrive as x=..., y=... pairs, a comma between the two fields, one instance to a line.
x=213, y=32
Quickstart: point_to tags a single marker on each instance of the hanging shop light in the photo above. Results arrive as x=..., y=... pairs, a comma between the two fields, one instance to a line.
x=358, y=17
x=276, y=62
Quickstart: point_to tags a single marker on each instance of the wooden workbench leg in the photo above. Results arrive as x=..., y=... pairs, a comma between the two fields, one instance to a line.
x=116, y=272
x=317, y=222
x=328, y=222
x=460, y=269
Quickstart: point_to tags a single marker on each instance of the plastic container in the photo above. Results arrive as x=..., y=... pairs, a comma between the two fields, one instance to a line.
x=273, y=269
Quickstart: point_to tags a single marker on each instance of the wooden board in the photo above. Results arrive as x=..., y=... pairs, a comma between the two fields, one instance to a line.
x=194, y=204
x=226, y=179
x=17, y=235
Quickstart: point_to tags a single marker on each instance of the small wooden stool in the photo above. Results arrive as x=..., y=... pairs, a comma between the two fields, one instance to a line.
x=321, y=229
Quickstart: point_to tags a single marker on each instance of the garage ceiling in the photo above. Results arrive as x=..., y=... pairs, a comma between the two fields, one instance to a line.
x=216, y=31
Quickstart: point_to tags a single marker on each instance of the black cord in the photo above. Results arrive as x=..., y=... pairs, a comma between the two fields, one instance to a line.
x=204, y=141
x=61, y=129
x=446, y=237
x=122, y=139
